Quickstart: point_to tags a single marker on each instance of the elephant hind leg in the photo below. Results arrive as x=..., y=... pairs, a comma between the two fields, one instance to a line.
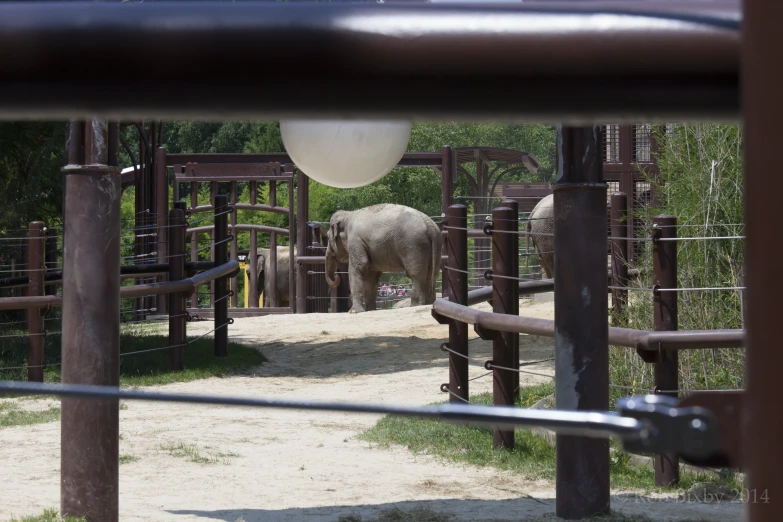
x=371, y=279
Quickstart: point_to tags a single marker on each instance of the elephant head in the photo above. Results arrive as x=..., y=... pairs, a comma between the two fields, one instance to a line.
x=337, y=247
x=261, y=255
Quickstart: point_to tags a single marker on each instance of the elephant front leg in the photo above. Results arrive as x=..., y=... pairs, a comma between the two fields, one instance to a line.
x=356, y=280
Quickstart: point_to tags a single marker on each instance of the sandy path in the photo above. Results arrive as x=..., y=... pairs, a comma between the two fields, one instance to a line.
x=287, y=465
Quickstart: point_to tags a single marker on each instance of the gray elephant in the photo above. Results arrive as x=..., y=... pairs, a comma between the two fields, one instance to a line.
x=263, y=268
x=383, y=238
x=540, y=223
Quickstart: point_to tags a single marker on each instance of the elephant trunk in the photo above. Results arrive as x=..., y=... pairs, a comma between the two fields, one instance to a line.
x=332, y=279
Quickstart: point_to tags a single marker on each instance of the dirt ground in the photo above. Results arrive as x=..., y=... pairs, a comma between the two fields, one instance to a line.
x=270, y=465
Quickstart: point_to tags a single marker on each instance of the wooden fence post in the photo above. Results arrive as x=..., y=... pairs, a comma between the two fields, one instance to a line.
x=667, y=469
x=514, y=206
x=35, y=321
x=457, y=278
x=91, y=340
x=52, y=235
x=221, y=284
x=505, y=300
x=176, y=300
x=619, y=245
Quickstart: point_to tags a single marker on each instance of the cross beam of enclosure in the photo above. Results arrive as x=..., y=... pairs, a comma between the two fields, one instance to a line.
x=413, y=58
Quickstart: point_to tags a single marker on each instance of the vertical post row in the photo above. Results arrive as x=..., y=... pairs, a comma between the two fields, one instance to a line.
x=619, y=244
x=194, y=302
x=514, y=310
x=505, y=300
x=457, y=279
x=302, y=211
x=52, y=235
x=212, y=195
x=161, y=216
x=292, y=266
x=447, y=189
x=221, y=283
x=176, y=300
x=274, y=298
x=234, y=248
x=581, y=326
x=667, y=468
x=35, y=320
x=253, y=254
x=91, y=340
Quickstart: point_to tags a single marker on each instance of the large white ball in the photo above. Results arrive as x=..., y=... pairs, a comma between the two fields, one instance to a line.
x=345, y=153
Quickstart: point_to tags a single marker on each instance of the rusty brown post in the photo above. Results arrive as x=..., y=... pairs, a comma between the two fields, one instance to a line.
x=221, y=284
x=762, y=429
x=289, y=168
x=161, y=241
x=457, y=277
x=619, y=244
x=302, y=210
x=52, y=235
x=667, y=468
x=176, y=300
x=581, y=326
x=194, y=301
x=514, y=206
x=234, y=248
x=91, y=339
x=253, y=254
x=35, y=320
x=505, y=300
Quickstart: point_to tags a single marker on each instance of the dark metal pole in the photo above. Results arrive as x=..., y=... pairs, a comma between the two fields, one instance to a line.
x=91, y=335
x=162, y=208
x=51, y=256
x=302, y=189
x=194, y=300
x=35, y=321
x=221, y=283
x=505, y=300
x=253, y=254
x=619, y=244
x=667, y=469
x=234, y=248
x=456, y=277
x=581, y=326
x=514, y=206
x=274, y=298
x=177, y=319
x=762, y=414
x=292, y=288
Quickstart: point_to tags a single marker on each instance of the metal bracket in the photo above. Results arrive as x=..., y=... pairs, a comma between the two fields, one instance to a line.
x=440, y=318
x=690, y=431
x=485, y=334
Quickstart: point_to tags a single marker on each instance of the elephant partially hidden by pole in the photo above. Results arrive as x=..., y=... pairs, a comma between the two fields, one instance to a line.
x=384, y=238
x=541, y=226
x=283, y=264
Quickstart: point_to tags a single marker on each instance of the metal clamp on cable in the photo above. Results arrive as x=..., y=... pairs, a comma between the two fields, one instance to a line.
x=690, y=431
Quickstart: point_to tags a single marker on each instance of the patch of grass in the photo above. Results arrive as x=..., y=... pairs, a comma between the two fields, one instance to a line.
x=532, y=456
x=127, y=459
x=13, y=415
x=423, y=513
x=49, y=515
x=193, y=454
x=143, y=369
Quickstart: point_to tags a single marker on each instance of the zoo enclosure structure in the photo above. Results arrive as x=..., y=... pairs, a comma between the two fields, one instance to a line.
x=702, y=81
x=42, y=279
x=229, y=170
x=503, y=325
